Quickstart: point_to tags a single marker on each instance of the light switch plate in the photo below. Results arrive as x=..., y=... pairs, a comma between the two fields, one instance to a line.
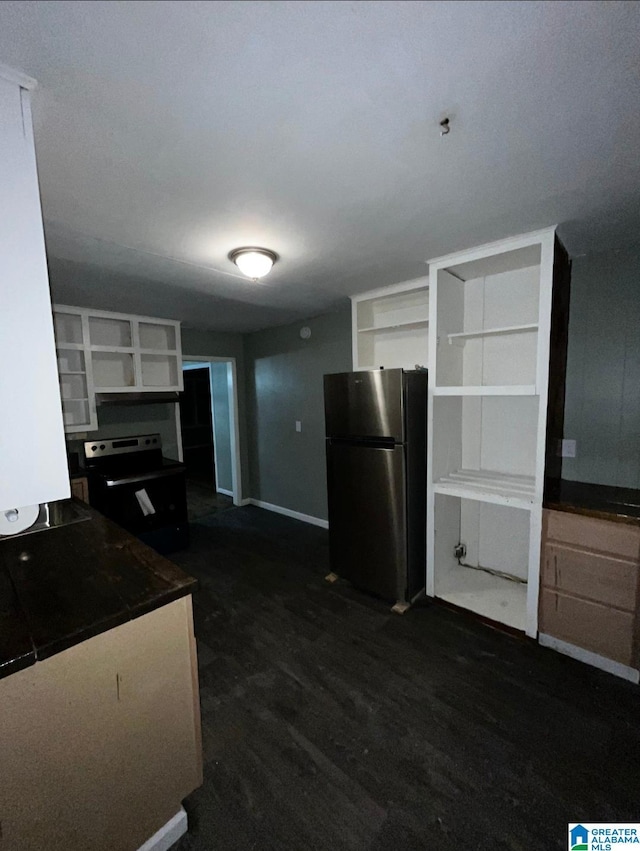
x=568, y=449
x=298, y=425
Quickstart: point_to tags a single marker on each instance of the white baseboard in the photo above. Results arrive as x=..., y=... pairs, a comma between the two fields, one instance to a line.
x=589, y=658
x=225, y=491
x=297, y=515
x=168, y=834
x=245, y=502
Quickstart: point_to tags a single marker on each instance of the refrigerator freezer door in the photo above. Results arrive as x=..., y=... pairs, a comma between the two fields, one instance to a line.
x=367, y=517
x=364, y=404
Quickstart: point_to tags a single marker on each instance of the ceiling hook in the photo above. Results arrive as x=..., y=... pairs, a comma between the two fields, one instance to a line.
x=445, y=127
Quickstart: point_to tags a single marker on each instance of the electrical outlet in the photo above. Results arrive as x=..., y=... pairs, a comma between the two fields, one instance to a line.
x=460, y=551
x=568, y=448
x=298, y=425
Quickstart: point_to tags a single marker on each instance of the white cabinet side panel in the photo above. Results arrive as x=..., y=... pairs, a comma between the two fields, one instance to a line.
x=32, y=447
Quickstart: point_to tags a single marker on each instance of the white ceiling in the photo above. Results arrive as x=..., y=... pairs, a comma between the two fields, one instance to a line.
x=170, y=133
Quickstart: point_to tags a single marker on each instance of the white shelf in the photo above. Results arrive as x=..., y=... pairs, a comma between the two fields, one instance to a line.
x=489, y=486
x=70, y=347
x=460, y=337
x=489, y=596
x=71, y=372
x=503, y=390
x=126, y=350
x=409, y=323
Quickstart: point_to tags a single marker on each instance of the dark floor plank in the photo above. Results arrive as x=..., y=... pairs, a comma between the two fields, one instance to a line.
x=329, y=723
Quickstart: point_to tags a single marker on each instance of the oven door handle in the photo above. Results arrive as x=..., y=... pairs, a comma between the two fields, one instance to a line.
x=144, y=477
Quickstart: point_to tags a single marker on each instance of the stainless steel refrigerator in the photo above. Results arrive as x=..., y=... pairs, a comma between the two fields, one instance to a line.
x=376, y=427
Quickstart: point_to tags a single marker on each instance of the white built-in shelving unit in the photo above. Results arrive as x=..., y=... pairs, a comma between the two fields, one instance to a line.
x=103, y=352
x=489, y=364
x=390, y=326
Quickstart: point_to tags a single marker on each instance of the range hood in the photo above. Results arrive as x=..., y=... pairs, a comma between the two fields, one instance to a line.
x=140, y=398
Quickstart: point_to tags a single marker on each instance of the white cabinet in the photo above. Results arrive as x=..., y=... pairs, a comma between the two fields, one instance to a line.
x=75, y=370
x=33, y=462
x=390, y=326
x=102, y=352
x=489, y=357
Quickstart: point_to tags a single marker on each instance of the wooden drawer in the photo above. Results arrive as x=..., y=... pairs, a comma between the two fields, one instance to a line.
x=617, y=539
x=601, y=578
x=592, y=626
x=80, y=489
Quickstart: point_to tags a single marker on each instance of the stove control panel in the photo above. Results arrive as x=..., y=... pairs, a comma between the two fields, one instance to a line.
x=121, y=445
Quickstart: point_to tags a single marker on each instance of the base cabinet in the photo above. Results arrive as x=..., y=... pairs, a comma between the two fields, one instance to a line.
x=80, y=488
x=99, y=744
x=590, y=574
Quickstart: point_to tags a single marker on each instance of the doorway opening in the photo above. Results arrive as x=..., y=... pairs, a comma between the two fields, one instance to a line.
x=207, y=423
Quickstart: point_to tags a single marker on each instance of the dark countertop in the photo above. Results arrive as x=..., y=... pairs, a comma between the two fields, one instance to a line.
x=622, y=505
x=63, y=585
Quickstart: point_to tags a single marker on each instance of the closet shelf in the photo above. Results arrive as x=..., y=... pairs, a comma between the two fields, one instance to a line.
x=460, y=338
x=407, y=323
x=489, y=486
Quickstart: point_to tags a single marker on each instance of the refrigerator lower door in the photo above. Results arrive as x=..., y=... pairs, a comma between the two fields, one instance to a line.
x=367, y=517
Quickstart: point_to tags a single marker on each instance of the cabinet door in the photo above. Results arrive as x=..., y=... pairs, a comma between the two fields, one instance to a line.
x=601, y=578
x=592, y=626
x=32, y=447
x=590, y=533
x=80, y=489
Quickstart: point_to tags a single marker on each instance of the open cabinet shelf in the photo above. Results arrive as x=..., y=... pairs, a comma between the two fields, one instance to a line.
x=489, y=357
x=461, y=337
x=415, y=323
x=490, y=596
x=104, y=352
x=390, y=327
x=488, y=325
x=496, y=539
x=478, y=390
x=489, y=486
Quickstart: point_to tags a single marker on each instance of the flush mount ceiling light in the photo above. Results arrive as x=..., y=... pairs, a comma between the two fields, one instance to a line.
x=253, y=262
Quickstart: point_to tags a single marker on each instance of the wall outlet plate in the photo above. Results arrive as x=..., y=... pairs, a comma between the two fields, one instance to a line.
x=568, y=449
x=460, y=551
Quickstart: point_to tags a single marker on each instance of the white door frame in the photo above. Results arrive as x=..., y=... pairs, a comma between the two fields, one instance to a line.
x=236, y=466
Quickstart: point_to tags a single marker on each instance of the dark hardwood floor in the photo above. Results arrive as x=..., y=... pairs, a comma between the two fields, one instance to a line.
x=203, y=500
x=329, y=723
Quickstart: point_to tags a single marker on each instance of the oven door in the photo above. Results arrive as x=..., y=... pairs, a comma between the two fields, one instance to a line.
x=152, y=506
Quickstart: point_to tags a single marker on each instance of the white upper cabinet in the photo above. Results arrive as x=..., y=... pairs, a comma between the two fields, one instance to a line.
x=33, y=461
x=103, y=352
x=75, y=370
x=390, y=326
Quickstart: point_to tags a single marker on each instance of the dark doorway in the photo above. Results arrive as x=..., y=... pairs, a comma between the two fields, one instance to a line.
x=197, y=427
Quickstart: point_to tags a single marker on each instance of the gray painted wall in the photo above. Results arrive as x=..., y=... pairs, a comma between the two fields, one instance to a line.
x=126, y=420
x=222, y=433
x=284, y=381
x=602, y=411
x=199, y=343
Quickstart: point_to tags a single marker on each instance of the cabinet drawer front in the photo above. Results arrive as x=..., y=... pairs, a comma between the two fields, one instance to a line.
x=80, y=489
x=617, y=539
x=607, y=632
x=600, y=578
